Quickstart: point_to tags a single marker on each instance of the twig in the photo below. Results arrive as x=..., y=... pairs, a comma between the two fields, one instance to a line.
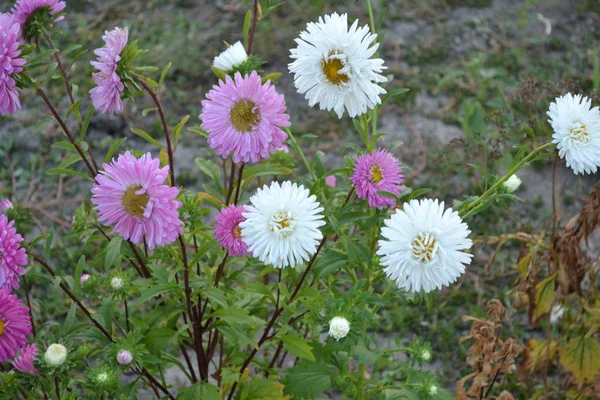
x=253, y=27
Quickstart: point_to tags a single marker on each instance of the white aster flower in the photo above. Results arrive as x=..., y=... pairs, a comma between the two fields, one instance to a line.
x=512, y=184
x=333, y=66
x=56, y=354
x=282, y=224
x=423, y=246
x=576, y=132
x=231, y=58
x=339, y=328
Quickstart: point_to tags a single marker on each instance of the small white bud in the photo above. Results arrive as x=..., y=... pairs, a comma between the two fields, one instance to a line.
x=512, y=184
x=432, y=390
x=124, y=357
x=425, y=355
x=339, y=328
x=102, y=377
x=56, y=354
x=116, y=283
x=557, y=313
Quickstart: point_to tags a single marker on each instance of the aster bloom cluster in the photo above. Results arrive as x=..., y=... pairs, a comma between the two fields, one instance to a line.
x=576, y=127
x=130, y=193
x=106, y=96
x=10, y=63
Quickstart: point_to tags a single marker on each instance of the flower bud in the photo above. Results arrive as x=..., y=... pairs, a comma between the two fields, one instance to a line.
x=432, y=390
x=102, y=377
x=512, y=184
x=425, y=355
x=339, y=328
x=330, y=180
x=84, y=278
x=116, y=283
x=124, y=357
x=56, y=355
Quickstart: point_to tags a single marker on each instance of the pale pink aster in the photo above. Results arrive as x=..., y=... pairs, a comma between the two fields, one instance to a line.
x=330, y=180
x=24, y=361
x=12, y=255
x=228, y=232
x=15, y=325
x=83, y=278
x=377, y=172
x=244, y=118
x=10, y=63
x=106, y=96
x=4, y=204
x=131, y=194
x=284, y=148
x=24, y=9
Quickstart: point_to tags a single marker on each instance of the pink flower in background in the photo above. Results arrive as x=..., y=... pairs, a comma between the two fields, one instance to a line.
x=15, y=325
x=106, y=96
x=83, y=278
x=228, y=232
x=330, y=180
x=12, y=255
x=4, y=204
x=131, y=194
x=24, y=361
x=378, y=171
x=244, y=118
x=284, y=148
x=10, y=64
x=24, y=9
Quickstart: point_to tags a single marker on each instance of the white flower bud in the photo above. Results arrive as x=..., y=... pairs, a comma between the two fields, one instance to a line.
x=116, y=283
x=512, y=184
x=102, y=377
x=425, y=355
x=339, y=328
x=124, y=357
x=432, y=390
x=557, y=313
x=56, y=354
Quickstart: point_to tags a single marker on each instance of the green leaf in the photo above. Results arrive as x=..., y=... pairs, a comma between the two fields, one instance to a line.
x=580, y=356
x=544, y=296
x=86, y=122
x=265, y=169
x=307, y=379
x=261, y=389
x=298, y=346
x=199, y=391
x=164, y=72
x=210, y=169
x=155, y=290
x=70, y=319
x=220, y=74
x=233, y=316
x=49, y=241
x=66, y=171
x=113, y=252
x=177, y=130
x=473, y=121
x=273, y=77
x=113, y=148
x=247, y=25
x=393, y=93
x=78, y=273
x=146, y=136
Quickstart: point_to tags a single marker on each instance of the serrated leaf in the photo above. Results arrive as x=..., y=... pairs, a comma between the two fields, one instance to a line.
x=233, y=316
x=307, y=379
x=544, y=296
x=580, y=356
x=298, y=346
x=199, y=391
x=261, y=389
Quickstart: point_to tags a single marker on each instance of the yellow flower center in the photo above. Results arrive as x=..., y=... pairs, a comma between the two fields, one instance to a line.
x=237, y=231
x=244, y=115
x=282, y=224
x=135, y=204
x=2, y=327
x=424, y=248
x=331, y=68
x=376, y=174
x=580, y=133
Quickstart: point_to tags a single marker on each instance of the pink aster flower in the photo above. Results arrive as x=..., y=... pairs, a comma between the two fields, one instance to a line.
x=228, y=231
x=4, y=204
x=106, y=96
x=131, y=194
x=244, y=118
x=375, y=172
x=24, y=9
x=24, y=361
x=10, y=63
x=330, y=180
x=12, y=255
x=15, y=325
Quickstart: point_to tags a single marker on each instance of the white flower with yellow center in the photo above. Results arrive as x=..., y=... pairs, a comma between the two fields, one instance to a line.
x=231, y=58
x=424, y=246
x=576, y=128
x=333, y=66
x=282, y=224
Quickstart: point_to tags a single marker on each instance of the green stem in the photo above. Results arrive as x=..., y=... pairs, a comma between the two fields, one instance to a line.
x=364, y=132
x=471, y=207
x=371, y=17
x=302, y=156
